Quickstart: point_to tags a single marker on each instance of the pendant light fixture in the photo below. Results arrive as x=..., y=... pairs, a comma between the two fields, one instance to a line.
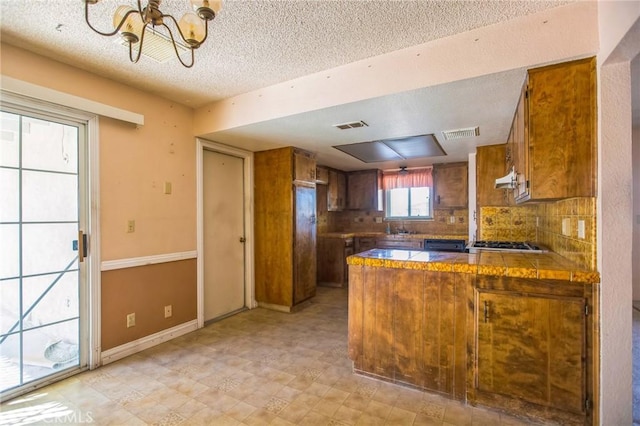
x=132, y=25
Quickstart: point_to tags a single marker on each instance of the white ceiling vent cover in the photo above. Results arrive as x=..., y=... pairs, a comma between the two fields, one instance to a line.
x=352, y=125
x=461, y=133
x=157, y=46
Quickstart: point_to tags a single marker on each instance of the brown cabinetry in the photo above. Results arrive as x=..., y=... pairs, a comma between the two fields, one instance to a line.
x=554, y=133
x=336, y=190
x=322, y=175
x=364, y=190
x=332, y=261
x=490, y=164
x=408, y=326
x=450, y=182
x=399, y=243
x=285, y=228
x=531, y=347
x=364, y=244
x=304, y=166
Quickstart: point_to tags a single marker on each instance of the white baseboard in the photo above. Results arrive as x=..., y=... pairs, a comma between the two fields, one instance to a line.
x=147, y=342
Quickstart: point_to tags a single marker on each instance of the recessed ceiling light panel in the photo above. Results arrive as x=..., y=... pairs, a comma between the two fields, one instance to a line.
x=394, y=149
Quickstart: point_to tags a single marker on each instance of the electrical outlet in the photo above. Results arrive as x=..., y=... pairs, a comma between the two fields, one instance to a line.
x=167, y=311
x=356, y=219
x=131, y=320
x=131, y=226
x=378, y=220
x=167, y=188
x=452, y=219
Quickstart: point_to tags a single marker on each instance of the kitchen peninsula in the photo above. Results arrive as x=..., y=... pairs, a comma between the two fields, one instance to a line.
x=513, y=331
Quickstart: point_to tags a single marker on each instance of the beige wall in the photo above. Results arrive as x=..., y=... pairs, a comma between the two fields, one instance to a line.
x=636, y=212
x=134, y=164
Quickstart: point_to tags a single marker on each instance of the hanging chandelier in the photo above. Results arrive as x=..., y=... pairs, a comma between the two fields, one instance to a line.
x=132, y=24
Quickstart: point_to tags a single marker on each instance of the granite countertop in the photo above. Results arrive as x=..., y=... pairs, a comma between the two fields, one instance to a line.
x=522, y=265
x=391, y=236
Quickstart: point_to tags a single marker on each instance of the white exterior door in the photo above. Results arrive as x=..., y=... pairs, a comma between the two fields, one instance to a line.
x=223, y=234
x=43, y=277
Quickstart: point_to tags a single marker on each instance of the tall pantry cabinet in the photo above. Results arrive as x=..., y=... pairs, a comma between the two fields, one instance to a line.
x=285, y=228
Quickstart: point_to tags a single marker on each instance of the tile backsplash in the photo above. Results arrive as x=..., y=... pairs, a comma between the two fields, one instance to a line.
x=572, y=210
x=543, y=223
x=445, y=221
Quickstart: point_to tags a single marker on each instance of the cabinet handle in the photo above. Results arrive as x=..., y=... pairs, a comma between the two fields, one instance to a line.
x=486, y=311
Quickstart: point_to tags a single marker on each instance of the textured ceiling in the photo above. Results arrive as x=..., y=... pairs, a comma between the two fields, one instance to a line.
x=256, y=44
x=252, y=44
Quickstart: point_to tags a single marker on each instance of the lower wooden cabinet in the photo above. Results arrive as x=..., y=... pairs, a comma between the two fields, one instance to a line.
x=332, y=261
x=407, y=326
x=364, y=244
x=532, y=347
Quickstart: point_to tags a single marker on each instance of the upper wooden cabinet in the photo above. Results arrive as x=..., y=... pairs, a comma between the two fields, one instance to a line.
x=490, y=164
x=554, y=133
x=322, y=175
x=285, y=228
x=304, y=166
x=336, y=190
x=363, y=190
x=450, y=183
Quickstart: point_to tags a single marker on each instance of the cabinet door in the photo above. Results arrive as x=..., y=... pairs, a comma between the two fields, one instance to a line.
x=330, y=260
x=364, y=244
x=532, y=348
x=490, y=165
x=562, y=135
x=409, y=243
x=362, y=190
x=451, y=185
x=304, y=166
x=304, y=244
x=336, y=190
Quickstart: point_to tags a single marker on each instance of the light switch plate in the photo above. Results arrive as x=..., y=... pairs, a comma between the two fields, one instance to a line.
x=566, y=225
x=167, y=188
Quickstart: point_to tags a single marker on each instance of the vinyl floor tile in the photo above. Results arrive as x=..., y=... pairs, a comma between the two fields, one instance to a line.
x=258, y=367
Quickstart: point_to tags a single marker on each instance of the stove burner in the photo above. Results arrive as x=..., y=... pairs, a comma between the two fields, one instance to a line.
x=506, y=245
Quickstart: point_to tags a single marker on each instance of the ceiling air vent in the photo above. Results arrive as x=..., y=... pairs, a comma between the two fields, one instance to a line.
x=157, y=46
x=461, y=133
x=352, y=125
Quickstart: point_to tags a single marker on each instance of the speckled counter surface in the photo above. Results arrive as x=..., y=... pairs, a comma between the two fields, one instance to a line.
x=550, y=266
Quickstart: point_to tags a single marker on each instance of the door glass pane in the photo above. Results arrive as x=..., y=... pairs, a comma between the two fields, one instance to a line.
x=49, y=146
x=49, y=298
x=9, y=253
x=49, y=197
x=10, y=296
x=10, y=362
x=9, y=139
x=47, y=248
x=9, y=197
x=40, y=213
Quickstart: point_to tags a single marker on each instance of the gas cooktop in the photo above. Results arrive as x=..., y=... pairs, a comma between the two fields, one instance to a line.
x=508, y=246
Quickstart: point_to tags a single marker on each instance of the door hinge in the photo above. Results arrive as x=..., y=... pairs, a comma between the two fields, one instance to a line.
x=587, y=404
x=587, y=310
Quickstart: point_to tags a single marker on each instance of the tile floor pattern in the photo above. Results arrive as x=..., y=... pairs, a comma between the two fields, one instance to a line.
x=255, y=368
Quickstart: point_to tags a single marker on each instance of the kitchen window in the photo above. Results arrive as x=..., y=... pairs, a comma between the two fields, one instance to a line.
x=408, y=194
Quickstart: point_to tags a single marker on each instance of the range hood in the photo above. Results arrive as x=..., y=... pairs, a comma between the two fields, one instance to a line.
x=507, y=182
